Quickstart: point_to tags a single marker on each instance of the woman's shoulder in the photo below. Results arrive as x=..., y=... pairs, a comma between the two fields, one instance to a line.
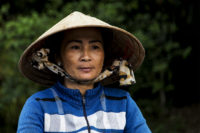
x=43, y=94
x=116, y=92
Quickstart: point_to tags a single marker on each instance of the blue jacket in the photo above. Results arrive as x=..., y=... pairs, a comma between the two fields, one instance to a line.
x=60, y=109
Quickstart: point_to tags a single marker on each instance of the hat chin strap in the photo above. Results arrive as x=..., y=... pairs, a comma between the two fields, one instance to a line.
x=119, y=67
x=69, y=77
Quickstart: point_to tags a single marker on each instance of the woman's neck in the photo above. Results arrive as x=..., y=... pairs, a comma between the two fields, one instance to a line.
x=82, y=87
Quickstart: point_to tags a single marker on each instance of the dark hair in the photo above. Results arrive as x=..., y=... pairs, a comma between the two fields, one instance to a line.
x=53, y=42
x=107, y=36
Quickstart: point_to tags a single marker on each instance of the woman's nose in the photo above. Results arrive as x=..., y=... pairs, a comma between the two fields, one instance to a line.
x=85, y=54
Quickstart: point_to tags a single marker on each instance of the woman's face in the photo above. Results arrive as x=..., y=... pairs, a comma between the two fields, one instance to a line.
x=82, y=53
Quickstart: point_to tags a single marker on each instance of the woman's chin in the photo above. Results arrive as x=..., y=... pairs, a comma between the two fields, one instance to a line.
x=86, y=79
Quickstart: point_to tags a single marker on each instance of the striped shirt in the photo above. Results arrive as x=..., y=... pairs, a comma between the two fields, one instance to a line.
x=63, y=110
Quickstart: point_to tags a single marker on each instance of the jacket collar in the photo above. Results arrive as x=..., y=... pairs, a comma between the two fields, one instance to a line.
x=74, y=96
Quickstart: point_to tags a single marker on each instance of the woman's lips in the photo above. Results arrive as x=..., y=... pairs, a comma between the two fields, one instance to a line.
x=85, y=69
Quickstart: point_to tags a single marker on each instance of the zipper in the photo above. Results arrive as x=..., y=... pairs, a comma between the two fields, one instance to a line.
x=85, y=114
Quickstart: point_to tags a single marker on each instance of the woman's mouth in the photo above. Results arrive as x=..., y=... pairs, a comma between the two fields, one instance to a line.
x=85, y=69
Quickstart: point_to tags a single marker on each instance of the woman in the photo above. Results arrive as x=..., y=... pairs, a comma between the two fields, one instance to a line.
x=78, y=58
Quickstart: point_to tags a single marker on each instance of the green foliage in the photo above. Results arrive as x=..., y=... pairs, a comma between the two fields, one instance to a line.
x=15, y=36
x=155, y=33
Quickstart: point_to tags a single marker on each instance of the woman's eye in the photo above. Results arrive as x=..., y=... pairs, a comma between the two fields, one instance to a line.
x=95, y=47
x=75, y=47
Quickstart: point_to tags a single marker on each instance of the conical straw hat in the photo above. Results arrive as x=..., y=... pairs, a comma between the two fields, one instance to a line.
x=123, y=44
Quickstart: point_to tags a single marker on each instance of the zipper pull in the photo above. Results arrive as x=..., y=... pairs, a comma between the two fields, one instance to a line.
x=83, y=98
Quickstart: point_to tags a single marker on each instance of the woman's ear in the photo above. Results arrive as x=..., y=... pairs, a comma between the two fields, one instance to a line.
x=58, y=60
x=59, y=63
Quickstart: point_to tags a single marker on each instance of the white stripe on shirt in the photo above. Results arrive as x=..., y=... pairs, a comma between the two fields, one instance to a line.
x=69, y=122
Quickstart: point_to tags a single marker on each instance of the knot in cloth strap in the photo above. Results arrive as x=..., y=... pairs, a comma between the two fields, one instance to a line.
x=40, y=59
x=122, y=69
x=119, y=67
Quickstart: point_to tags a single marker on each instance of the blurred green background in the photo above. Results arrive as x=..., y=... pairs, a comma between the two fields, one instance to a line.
x=167, y=89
